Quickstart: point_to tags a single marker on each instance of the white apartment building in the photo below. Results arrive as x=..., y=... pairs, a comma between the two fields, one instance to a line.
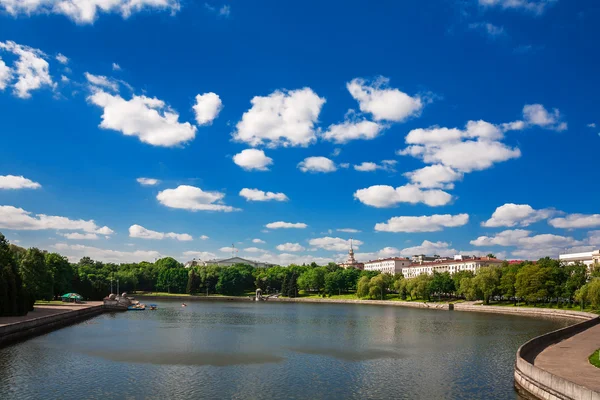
x=390, y=266
x=588, y=258
x=460, y=263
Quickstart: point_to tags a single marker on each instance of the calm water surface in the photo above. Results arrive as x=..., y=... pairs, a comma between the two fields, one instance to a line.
x=217, y=350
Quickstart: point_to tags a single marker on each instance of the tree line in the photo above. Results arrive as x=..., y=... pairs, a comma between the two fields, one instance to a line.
x=27, y=275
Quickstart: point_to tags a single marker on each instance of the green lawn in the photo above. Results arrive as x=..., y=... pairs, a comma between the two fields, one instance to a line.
x=595, y=358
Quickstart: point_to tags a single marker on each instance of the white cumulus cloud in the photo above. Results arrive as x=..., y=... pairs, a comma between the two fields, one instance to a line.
x=80, y=236
x=367, y=166
x=19, y=219
x=424, y=223
x=285, y=225
x=148, y=181
x=533, y=6
x=193, y=199
x=284, y=118
x=101, y=81
x=138, y=231
x=353, y=130
x=574, y=221
x=384, y=103
x=17, y=182
x=207, y=108
x=348, y=230
x=147, y=118
x=334, y=243
x=75, y=252
x=317, y=164
x=253, y=159
x=258, y=241
x=31, y=69
x=516, y=215
x=435, y=176
x=382, y=196
x=290, y=247
x=259, y=195
x=85, y=11
x=5, y=75
x=61, y=58
x=536, y=114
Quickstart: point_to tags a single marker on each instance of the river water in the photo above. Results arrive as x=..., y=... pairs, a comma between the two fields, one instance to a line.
x=223, y=350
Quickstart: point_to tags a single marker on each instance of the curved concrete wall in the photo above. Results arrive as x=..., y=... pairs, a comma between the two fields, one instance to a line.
x=535, y=383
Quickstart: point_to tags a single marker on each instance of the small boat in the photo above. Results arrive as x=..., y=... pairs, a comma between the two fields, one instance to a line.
x=137, y=307
x=183, y=305
x=153, y=306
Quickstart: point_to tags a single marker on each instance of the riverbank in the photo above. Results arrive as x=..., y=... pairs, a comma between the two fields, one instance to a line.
x=45, y=318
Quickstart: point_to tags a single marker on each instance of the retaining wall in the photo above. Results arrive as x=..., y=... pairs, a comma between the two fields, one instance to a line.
x=535, y=383
x=536, y=312
x=25, y=329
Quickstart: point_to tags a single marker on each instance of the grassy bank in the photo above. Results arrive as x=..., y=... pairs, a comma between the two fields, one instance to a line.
x=595, y=358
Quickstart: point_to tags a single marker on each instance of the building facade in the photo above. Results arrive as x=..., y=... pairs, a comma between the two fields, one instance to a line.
x=390, y=266
x=460, y=263
x=588, y=258
x=228, y=262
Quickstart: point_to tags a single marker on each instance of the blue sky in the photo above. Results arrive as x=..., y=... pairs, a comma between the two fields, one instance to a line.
x=453, y=126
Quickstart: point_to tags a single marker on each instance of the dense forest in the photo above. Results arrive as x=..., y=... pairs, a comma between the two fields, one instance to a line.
x=27, y=275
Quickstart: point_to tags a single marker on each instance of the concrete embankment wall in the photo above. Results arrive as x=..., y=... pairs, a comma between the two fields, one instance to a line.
x=534, y=312
x=23, y=330
x=535, y=383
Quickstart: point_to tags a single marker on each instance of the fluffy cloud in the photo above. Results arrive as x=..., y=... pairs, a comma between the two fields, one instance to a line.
x=17, y=182
x=258, y=241
x=285, y=259
x=386, y=165
x=534, y=6
x=199, y=255
x=284, y=118
x=334, y=243
x=434, y=177
x=259, y=195
x=317, y=164
x=100, y=81
x=116, y=67
x=353, y=130
x=147, y=118
x=61, y=58
x=19, y=219
x=348, y=230
x=516, y=215
x=424, y=223
x=536, y=114
x=430, y=248
x=574, y=221
x=285, y=225
x=382, y=196
x=290, y=247
x=74, y=252
x=193, y=199
x=204, y=237
x=5, y=75
x=207, y=108
x=80, y=236
x=254, y=250
x=138, y=231
x=147, y=181
x=382, y=102
x=509, y=237
x=86, y=11
x=475, y=148
x=253, y=159
x=31, y=69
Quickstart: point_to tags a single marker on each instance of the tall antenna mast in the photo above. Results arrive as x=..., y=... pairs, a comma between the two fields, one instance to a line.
x=232, y=250
x=351, y=244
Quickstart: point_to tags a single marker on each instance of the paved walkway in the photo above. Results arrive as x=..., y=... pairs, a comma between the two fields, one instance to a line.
x=569, y=359
x=44, y=311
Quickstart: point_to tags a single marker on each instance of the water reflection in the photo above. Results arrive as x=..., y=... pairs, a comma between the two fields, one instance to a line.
x=272, y=350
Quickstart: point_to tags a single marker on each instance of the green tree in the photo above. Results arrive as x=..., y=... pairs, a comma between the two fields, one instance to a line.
x=235, y=280
x=508, y=281
x=401, y=286
x=576, y=278
x=14, y=299
x=421, y=287
x=487, y=282
x=62, y=273
x=37, y=279
x=168, y=262
x=362, y=289
x=442, y=283
x=532, y=282
x=335, y=282
x=593, y=293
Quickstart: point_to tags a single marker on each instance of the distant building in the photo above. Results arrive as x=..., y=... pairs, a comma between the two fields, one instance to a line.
x=460, y=263
x=391, y=266
x=351, y=261
x=228, y=262
x=587, y=258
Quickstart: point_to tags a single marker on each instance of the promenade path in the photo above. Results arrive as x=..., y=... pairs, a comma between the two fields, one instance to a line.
x=44, y=311
x=569, y=359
